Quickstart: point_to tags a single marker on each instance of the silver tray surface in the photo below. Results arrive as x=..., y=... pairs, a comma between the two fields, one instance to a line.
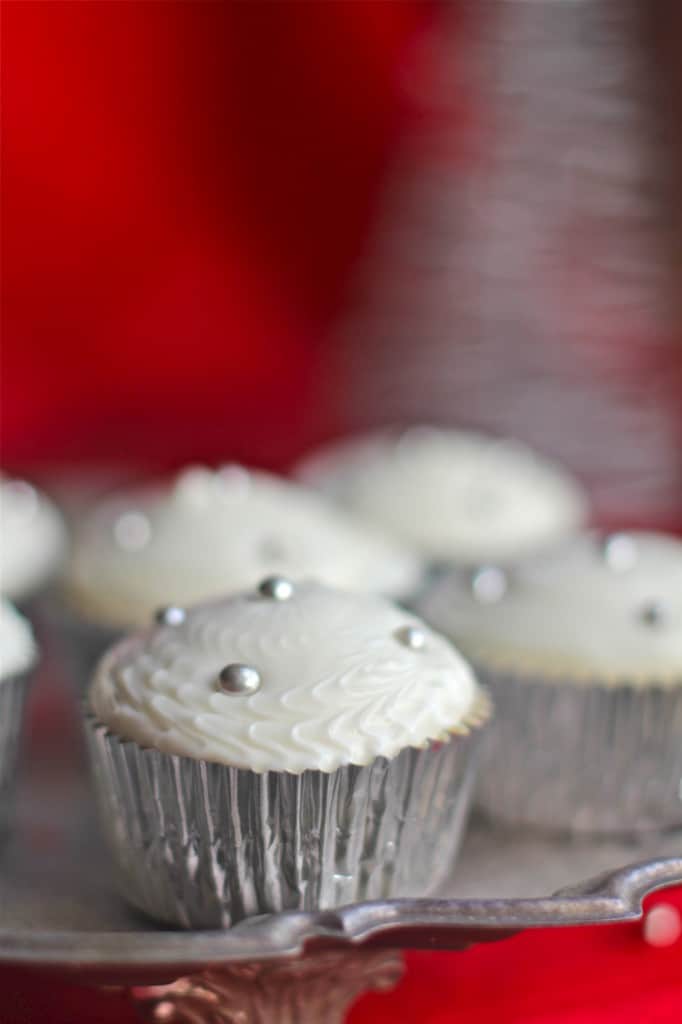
x=59, y=907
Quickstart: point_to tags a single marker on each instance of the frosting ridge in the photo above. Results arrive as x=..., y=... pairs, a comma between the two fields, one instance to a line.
x=337, y=683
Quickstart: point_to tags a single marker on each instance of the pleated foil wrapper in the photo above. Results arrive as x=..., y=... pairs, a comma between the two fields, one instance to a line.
x=203, y=845
x=13, y=692
x=574, y=756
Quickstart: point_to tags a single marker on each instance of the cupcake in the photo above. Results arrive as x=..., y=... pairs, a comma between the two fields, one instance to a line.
x=17, y=659
x=211, y=533
x=457, y=497
x=291, y=747
x=582, y=650
x=32, y=541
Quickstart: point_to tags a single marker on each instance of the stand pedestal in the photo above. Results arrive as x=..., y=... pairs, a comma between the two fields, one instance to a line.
x=317, y=989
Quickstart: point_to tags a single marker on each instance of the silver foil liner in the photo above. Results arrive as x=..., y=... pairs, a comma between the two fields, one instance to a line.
x=12, y=700
x=582, y=757
x=203, y=845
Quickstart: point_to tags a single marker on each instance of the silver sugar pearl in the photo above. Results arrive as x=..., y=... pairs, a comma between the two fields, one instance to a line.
x=276, y=587
x=412, y=637
x=171, y=616
x=489, y=584
x=653, y=614
x=619, y=551
x=239, y=679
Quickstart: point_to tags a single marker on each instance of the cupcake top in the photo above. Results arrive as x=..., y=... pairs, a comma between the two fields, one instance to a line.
x=453, y=495
x=17, y=646
x=606, y=608
x=32, y=539
x=286, y=677
x=215, y=532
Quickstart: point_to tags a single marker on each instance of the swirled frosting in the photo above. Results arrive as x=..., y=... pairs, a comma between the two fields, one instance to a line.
x=216, y=532
x=606, y=608
x=339, y=684
x=32, y=539
x=17, y=647
x=453, y=495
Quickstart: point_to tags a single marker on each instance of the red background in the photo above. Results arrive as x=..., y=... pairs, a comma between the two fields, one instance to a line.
x=185, y=189
x=185, y=186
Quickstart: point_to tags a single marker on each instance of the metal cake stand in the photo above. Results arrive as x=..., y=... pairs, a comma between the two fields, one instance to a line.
x=59, y=909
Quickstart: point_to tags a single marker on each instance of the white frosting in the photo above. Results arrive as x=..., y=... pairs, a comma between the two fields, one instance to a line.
x=32, y=539
x=453, y=495
x=17, y=647
x=214, y=533
x=610, y=610
x=337, y=684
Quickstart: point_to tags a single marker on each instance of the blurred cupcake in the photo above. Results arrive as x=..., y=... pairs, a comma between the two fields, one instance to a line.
x=582, y=651
x=32, y=541
x=292, y=747
x=457, y=497
x=17, y=659
x=212, y=533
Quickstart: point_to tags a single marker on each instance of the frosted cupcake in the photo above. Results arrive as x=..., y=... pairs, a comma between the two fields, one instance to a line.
x=32, y=540
x=293, y=747
x=17, y=659
x=210, y=533
x=456, y=496
x=582, y=650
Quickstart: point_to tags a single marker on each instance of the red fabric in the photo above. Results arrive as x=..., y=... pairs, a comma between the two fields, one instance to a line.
x=185, y=187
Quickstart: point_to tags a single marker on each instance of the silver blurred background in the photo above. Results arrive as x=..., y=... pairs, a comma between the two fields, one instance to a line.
x=522, y=276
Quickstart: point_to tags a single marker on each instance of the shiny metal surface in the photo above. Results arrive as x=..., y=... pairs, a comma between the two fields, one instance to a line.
x=276, y=587
x=170, y=616
x=239, y=679
x=205, y=845
x=318, y=987
x=59, y=907
x=600, y=759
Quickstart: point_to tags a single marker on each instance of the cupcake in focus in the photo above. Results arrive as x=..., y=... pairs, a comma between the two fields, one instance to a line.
x=457, y=497
x=582, y=651
x=32, y=541
x=17, y=659
x=291, y=747
x=211, y=533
